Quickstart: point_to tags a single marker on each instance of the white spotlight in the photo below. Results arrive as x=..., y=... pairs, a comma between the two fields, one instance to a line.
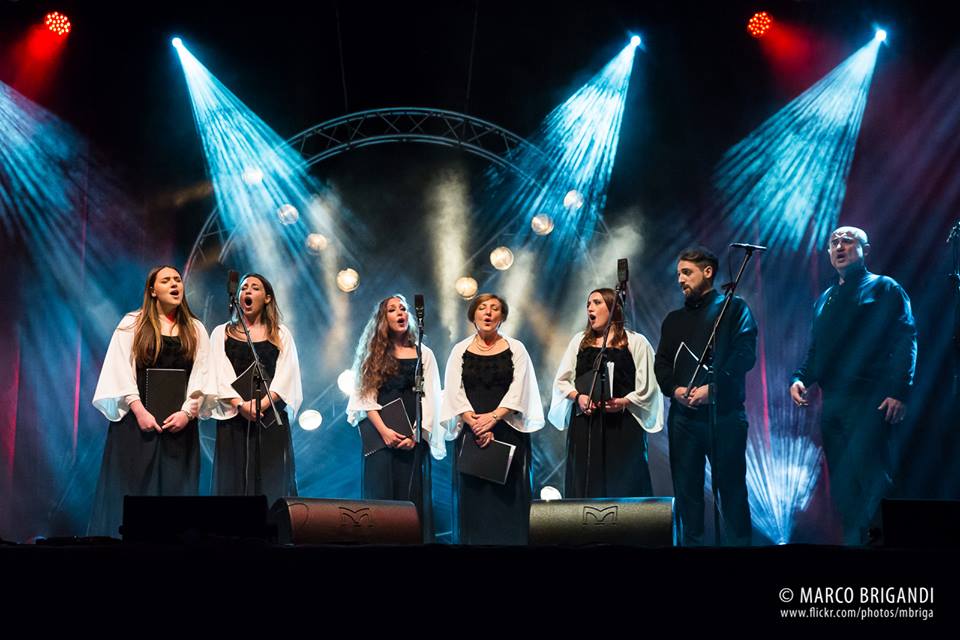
x=501, y=258
x=635, y=41
x=550, y=493
x=542, y=224
x=288, y=214
x=252, y=175
x=346, y=382
x=573, y=199
x=310, y=419
x=466, y=287
x=316, y=242
x=881, y=35
x=348, y=280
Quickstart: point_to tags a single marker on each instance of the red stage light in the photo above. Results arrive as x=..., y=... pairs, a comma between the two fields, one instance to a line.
x=57, y=22
x=759, y=24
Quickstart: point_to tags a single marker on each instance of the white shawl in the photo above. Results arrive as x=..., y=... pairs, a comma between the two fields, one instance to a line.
x=118, y=377
x=522, y=398
x=358, y=407
x=286, y=379
x=646, y=400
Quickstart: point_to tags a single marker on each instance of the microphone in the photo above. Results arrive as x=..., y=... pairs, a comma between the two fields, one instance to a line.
x=418, y=308
x=233, y=281
x=623, y=275
x=748, y=247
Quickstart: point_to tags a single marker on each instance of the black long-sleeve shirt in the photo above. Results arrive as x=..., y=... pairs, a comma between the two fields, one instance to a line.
x=863, y=337
x=736, y=350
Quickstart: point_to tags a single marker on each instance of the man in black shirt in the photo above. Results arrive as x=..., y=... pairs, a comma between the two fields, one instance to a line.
x=683, y=336
x=863, y=353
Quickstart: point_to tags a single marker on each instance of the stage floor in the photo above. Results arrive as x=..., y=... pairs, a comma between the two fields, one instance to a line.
x=563, y=587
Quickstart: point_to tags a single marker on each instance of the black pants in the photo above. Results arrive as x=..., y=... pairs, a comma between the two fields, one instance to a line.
x=689, y=448
x=857, y=444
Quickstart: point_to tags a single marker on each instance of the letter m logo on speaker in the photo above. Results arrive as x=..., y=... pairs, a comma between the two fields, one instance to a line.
x=357, y=518
x=596, y=515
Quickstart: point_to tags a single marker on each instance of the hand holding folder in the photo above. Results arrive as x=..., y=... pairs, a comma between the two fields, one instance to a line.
x=394, y=415
x=246, y=386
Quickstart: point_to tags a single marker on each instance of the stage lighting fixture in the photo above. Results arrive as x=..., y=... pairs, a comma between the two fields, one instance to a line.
x=316, y=243
x=550, y=493
x=881, y=35
x=348, y=280
x=501, y=258
x=252, y=175
x=466, y=287
x=573, y=200
x=542, y=224
x=635, y=41
x=176, y=42
x=310, y=419
x=346, y=382
x=288, y=214
x=759, y=24
x=57, y=23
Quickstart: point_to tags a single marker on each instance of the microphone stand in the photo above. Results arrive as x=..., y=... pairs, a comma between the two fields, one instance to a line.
x=600, y=374
x=705, y=362
x=258, y=386
x=419, y=392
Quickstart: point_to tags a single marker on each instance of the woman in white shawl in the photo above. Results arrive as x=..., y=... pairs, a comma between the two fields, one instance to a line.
x=607, y=444
x=250, y=458
x=394, y=467
x=491, y=387
x=147, y=454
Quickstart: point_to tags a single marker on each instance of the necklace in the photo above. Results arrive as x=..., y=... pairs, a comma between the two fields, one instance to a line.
x=481, y=345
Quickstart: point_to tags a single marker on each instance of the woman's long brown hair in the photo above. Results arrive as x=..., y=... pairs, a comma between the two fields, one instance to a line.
x=375, y=362
x=619, y=333
x=148, y=337
x=270, y=316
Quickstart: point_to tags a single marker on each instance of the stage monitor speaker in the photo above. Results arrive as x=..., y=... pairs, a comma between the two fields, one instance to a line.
x=644, y=522
x=180, y=518
x=920, y=523
x=329, y=521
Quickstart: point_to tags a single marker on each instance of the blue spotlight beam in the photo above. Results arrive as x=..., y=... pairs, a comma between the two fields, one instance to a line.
x=785, y=183
x=254, y=174
x=579, y=142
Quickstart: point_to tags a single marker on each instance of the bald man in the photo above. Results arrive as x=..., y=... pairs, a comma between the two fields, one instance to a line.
x=863, y=353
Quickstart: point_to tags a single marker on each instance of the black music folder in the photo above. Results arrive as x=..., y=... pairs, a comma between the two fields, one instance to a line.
x=394, y=415
x=584, y=382
x=245, y=386
x=166, y=389
x=490, y=463
x=684, y=364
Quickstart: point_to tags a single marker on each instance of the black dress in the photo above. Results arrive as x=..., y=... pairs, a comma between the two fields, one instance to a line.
x=234, y=470
x=395, y=474
x=146, y=463
x=607, y=459
x=491, y=513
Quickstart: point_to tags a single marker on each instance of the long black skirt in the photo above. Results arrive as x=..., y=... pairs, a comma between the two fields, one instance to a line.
x=236, y=459
x=138, y=463
x=493, y=513
x=395, y=474
x=606, y=459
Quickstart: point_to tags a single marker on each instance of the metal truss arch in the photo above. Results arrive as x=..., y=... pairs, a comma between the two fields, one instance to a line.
x=382, y=126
